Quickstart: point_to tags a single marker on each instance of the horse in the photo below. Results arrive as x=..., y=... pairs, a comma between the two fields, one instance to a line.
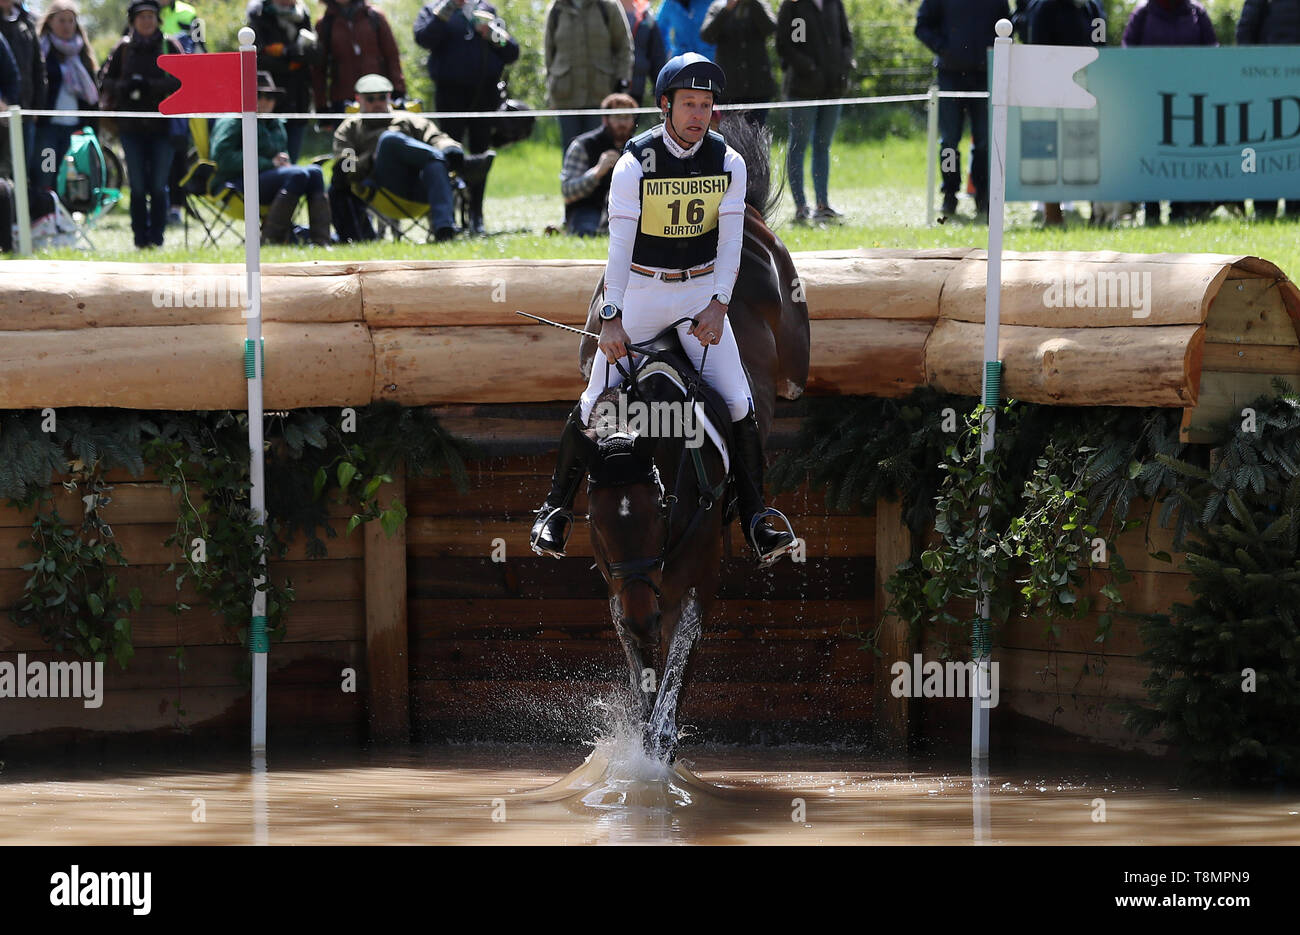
x=657, y=508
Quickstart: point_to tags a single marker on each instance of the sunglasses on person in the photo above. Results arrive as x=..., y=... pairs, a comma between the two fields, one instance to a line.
x=374, y=98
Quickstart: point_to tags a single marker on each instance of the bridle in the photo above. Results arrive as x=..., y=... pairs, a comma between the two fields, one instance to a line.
x=639, y=569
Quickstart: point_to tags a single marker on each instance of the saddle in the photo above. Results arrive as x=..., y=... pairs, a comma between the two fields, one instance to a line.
x=673, y=365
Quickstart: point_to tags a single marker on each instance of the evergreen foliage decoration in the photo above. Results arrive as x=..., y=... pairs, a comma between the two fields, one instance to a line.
x=72, y=595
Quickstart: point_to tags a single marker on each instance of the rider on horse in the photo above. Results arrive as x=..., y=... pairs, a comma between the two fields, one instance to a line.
x=676, y=222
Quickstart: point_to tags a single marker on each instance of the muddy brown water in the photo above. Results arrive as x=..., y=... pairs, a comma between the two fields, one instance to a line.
x=610, y=794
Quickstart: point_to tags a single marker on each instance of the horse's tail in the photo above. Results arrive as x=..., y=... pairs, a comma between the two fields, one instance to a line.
x=754, y=143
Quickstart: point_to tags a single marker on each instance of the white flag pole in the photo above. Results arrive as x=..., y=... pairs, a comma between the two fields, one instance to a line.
x=254, y=364
x=999, y=97
x=1028, y=76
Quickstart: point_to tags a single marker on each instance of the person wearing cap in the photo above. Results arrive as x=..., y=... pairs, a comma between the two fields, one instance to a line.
x=280, y=183
x=355, y=39
x=676, y=223
x=133, y=80
x=406, y=154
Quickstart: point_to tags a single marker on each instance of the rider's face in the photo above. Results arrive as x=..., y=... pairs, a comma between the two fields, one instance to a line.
x=691, y=112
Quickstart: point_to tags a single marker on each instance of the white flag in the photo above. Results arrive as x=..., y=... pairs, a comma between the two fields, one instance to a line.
x=1043, y=76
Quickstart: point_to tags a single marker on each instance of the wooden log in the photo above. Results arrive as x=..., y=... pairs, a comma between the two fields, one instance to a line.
x=388, y=698
x=484, y=292
x=457, y=364
x=867, y=357
x=67, y=295
x=185, y=367
x=893, y=547
x=862, y=284
x=1036, y=288
x=1073, y=366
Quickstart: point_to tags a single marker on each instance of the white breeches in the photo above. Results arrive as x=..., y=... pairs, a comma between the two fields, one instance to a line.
x=650, y=305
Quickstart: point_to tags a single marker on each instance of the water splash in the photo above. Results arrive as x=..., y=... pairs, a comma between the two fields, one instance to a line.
x=663, y=720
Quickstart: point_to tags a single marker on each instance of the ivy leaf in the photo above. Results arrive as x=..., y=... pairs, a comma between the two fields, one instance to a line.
x=353, y=523
x=318, y=483
x=347, y=470
x=96, y=603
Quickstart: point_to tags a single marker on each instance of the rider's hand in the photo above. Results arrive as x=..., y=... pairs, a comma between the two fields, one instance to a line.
x=613, y=339
x=708, y=323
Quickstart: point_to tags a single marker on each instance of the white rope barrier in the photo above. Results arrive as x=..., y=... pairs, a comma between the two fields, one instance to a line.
x=930, y=98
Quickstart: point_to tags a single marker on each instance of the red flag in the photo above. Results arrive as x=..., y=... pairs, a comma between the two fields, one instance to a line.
x=211, y=83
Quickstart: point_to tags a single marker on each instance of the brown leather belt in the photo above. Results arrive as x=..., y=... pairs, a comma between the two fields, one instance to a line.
x=673, y=277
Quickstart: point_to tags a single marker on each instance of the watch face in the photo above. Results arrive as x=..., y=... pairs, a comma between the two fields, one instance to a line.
x=607, y=312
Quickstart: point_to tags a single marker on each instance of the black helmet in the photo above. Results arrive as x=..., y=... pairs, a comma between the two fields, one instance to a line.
x=689, y=70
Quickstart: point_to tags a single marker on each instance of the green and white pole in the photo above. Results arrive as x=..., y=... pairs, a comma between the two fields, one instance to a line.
x=991, y=392
x=254, y=372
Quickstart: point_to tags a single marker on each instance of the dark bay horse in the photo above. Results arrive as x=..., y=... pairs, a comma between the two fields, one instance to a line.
x=657, y=507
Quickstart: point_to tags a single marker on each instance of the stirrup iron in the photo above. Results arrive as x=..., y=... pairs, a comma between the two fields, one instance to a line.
x=765, y=560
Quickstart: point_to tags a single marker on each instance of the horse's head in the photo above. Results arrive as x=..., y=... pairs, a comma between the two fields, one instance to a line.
x=629, y=524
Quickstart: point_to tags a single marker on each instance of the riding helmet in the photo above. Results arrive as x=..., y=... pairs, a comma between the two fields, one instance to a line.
x=689, y=70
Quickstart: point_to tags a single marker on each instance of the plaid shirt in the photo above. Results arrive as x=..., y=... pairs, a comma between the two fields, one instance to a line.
x=577, y=180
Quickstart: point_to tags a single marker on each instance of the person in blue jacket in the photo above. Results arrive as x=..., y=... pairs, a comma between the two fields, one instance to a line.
x=469, y=48
x=680, y=22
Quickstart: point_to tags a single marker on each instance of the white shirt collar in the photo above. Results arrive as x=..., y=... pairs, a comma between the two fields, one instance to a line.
x=676, y=150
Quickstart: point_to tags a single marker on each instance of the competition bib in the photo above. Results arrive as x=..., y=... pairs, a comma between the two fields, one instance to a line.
x=682, y=207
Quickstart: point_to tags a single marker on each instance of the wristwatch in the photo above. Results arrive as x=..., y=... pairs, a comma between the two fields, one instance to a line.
x=609, y=311
x=722, y=298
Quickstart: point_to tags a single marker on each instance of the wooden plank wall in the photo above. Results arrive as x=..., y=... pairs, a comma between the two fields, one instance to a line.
x=515, y=649
x=326, y=633
x=1069, y=681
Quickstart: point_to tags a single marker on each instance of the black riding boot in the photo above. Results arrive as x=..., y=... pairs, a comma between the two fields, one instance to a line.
x=555, y=518
x=747, y=468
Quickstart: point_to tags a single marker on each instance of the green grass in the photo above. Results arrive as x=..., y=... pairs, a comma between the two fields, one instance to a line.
x=878, y=184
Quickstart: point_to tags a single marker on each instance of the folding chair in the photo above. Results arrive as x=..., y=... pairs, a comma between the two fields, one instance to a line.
x=217, y=209
x=401, y=216
x=404, y=217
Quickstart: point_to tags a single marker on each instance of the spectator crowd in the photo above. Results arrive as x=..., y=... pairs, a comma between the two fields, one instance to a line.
x=597, y=54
